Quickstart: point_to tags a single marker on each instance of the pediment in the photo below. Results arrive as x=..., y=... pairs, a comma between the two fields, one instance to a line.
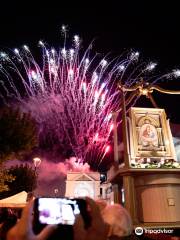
x=79, y=176
x=84, y=177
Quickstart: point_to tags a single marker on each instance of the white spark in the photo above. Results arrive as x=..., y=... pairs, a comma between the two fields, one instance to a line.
x=121, y=67
x=84, y=86
x=51, y=61
x=76, y=40
x=94, y=77
x=150, y=66
x=41, y=43
x=16, y=51
x=102, y=86
x=34, y=75
x=26, y=47
x=71, y=51
x=134, y=56
x=103, y=63
x=176, y=73
x=63, y=51
x=3, y=54
x=53, y=51
x=87, y=60
x=63, y=28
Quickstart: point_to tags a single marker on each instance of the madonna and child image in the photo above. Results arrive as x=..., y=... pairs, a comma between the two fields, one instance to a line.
x=148, y=135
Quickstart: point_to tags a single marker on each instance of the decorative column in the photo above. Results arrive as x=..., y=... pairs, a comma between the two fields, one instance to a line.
x=116, y=155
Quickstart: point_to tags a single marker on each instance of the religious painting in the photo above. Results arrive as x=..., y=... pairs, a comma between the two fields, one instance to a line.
x=150, y=134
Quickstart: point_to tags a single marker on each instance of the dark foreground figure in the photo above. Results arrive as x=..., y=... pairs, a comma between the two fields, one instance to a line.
x=104, y=225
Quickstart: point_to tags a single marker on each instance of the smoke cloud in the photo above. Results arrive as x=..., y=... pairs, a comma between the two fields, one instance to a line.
x=52, y=176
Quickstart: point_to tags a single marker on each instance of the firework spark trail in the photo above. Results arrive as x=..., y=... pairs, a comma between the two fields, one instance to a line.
x=71, y=95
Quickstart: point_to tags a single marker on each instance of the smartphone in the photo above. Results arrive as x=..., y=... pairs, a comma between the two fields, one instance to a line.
x=61, y=211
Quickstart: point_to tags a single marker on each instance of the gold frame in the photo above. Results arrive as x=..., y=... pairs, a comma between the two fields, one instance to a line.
x=160, y=145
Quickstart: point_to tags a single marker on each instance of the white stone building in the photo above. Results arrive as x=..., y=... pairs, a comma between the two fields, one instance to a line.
x=80, y=184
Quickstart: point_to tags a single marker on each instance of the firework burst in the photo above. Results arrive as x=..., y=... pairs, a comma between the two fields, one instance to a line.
x=70, y=93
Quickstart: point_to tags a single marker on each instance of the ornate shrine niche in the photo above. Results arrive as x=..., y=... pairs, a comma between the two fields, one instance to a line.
x=150, y=134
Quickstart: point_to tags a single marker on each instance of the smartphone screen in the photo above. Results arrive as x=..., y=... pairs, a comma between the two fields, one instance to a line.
x=57, y=210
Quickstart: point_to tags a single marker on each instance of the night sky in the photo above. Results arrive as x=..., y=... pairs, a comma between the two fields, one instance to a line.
x=149, y=28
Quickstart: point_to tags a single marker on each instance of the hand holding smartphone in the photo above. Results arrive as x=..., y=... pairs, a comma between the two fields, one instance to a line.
x=56, y=210
x=97, y=229
x=60, y=211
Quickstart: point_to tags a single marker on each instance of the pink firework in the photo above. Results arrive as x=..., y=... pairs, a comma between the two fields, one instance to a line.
x=70, y=94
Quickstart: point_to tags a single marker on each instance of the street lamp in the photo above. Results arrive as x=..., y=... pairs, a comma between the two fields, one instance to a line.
x=37, y=162
x=56, y=191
